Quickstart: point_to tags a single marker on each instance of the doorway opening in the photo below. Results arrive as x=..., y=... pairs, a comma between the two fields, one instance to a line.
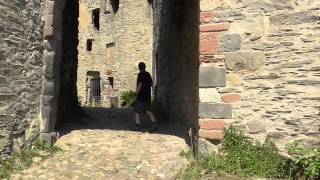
x=175, y=55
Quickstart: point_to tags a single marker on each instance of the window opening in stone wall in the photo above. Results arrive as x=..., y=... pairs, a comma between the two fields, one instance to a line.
x=115, y=5
x=96, y=18
x=89, y=44
x=110, y=79
x=110, y=53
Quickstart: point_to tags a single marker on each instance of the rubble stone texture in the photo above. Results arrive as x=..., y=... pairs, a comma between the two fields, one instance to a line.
x=273, y=67
x=20, y=72
x=123, y=39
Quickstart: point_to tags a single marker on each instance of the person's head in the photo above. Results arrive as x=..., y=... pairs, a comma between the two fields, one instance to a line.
x=142, y=66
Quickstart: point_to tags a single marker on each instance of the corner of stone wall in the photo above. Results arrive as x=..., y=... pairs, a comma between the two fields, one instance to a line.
x=217, y=94
x=48, y=112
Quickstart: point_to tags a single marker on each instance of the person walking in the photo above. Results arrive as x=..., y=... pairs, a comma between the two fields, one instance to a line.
x=143, y=98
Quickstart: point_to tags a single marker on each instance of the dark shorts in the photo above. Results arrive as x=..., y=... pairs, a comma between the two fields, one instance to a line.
x=141, y=106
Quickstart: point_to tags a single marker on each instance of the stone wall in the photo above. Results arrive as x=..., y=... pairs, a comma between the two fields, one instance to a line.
x=263, y=58
x=123, y=39
x=21, y=52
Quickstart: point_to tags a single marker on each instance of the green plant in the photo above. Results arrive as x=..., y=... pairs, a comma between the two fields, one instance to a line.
x=241, y=156
x=128, y=98
x=306, y=160
x=247, y=157
x=23, y=160
x=6, y=166
x=187, y=154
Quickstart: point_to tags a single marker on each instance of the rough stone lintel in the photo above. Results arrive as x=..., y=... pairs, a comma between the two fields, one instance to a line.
x=215, y=27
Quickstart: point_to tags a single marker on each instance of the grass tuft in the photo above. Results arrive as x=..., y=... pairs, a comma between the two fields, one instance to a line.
x=23, y=160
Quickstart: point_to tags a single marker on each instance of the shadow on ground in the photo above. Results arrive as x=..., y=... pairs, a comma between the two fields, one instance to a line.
x=118, y=119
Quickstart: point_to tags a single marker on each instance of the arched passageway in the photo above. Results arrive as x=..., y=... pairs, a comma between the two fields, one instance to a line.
x=175, y=56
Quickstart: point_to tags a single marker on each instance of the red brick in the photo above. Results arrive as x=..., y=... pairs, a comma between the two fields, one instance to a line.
x=209, y=43
x=231, y=98
x=212, y=124
x=211, y=134
x=216, y=27
x=206, y=17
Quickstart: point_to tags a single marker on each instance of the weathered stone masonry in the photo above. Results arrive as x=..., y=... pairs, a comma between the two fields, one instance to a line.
x=266, y=55
x=38, y=71
x=20, y=72
x=123, y=39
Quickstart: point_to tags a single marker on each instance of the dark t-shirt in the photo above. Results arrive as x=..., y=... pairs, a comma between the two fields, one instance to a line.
x=144, y=94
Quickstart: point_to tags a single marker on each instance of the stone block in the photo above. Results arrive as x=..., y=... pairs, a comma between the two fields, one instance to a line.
x=212, y=76
x=245, y=60
x=294, y=18
x=231, y=98
x=49, y=7
x=7, y=96
x=256, y=126
x=215, y=27
x=206, y=148
x=47, y=87
x=215, y=111
x=209, y=95
x=206, y=16
x=211, y=134
x=209, y=43
x=233, y=79
x=48, y=60
x=212, y=124
x=229, y=42
x=45, y=119
x=48, y=30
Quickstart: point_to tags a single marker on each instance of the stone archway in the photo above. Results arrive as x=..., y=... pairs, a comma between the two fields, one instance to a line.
x=176, y=54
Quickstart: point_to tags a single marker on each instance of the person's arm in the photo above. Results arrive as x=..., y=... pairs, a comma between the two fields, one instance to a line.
x=138, y=88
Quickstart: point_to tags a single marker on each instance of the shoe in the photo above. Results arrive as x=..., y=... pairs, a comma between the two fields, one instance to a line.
x=137, y=127
x=154, y=127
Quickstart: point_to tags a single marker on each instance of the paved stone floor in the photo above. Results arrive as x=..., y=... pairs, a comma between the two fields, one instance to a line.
x=103, y=147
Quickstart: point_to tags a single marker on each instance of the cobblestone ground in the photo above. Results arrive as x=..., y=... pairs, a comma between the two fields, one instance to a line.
x=102, y=147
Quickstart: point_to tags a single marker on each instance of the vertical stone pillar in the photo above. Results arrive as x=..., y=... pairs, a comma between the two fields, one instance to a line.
x=51, y=69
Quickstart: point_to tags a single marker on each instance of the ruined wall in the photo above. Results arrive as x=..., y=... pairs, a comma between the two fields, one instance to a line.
x=124, y=38
x=21, y=50
x=266, y=59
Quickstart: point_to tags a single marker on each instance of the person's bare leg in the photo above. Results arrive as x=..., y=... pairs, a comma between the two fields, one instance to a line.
x=151, y=116
x=154, y=121
x=137, y=118
x=137, y=121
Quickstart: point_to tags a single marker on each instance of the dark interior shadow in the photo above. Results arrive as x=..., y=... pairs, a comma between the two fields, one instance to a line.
x=118, y=119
